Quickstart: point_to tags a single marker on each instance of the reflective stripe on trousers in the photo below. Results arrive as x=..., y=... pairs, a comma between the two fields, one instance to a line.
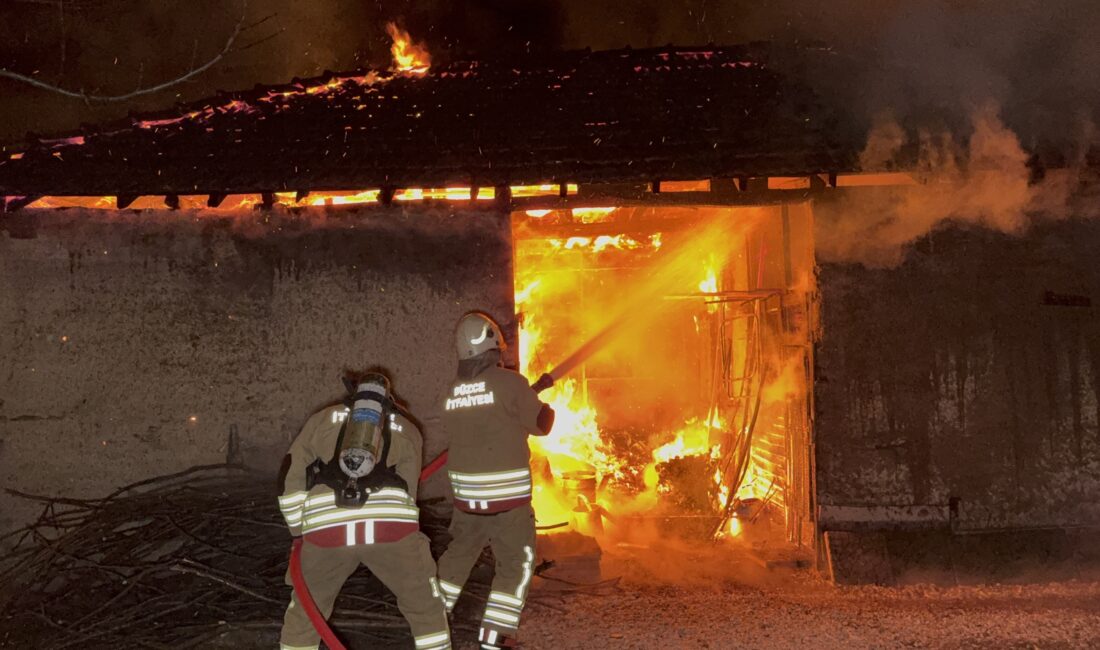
x=511, y=534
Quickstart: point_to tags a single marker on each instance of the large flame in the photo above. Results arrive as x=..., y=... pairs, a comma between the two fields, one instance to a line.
x=637, y=433
x=408, y=57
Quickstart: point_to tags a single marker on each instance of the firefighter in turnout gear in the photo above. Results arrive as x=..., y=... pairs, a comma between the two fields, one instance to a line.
x=350, y=491
x=489, y=412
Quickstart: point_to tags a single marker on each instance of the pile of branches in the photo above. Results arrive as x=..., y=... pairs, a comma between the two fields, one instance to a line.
x=189, y=560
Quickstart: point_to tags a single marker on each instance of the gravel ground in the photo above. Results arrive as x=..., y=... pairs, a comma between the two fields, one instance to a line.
x=809, y=614
x=685, y=600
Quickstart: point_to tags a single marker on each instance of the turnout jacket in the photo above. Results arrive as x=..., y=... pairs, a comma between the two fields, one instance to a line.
x=388, y=515
x=488, y=419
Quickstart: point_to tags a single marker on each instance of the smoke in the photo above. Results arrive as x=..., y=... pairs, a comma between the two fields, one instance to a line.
x=655, y=553
x=973, y=87
x=984, y=180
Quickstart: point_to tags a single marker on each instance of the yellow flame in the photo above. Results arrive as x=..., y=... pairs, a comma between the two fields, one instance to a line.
x=408, y=57
x=723, y=489
x=592, y=215
x=564, y=293
x=602, y=242
x=328, y=198
x=524, y=295
x=709, y=284
x=692, y=440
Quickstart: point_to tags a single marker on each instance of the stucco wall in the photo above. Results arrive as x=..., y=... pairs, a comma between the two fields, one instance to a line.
x=119, y=328
x=972, y=371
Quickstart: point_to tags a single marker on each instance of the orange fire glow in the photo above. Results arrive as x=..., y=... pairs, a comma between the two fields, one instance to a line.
x=290, y=200
x=676, y=458
x=408, y=57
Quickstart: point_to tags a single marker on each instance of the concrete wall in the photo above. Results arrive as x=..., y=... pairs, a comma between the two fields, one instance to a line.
x=972, y=371
x=133, y=342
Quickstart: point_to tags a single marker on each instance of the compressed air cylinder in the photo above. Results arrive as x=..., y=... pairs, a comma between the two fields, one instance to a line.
x=362, y=442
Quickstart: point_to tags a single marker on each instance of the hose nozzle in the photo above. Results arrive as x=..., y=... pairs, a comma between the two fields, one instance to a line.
x=543, y=382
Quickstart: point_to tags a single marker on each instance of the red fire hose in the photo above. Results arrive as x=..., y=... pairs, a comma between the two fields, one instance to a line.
x=433, y=467
x=314, y=614
x=299, y=581
x=306, y=600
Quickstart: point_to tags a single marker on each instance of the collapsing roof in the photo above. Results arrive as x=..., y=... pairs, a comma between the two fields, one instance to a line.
x=583, y=117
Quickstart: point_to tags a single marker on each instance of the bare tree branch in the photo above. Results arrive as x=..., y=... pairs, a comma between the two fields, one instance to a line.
x=192, y=73
x=261, y=41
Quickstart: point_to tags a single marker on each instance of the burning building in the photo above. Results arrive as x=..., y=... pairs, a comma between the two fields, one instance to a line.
x=644, y=218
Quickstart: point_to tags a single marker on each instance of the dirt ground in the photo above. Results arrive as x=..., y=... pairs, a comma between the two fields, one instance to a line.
x=663, y=594
x=801, y=612
x=698, y=601
x=809, y=614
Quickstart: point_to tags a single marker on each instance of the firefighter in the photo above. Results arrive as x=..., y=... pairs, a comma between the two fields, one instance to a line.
x=350, y=491
x=488, y=413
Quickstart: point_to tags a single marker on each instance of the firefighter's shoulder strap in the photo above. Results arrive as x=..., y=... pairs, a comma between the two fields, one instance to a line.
x=328, y=471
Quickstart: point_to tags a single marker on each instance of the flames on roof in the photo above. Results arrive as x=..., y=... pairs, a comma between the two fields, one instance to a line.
x=611, y=117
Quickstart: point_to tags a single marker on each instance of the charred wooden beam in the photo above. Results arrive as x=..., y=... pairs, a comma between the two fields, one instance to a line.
x=300, y=194
x=768, y=197
x=267, y=200
x=618, y=190
x=386, y=194
x=13, y=203
x=723, y=187
x=215, y=199
x=756, y=184
x=172, y=201
x=123, y=201
x=502, y=197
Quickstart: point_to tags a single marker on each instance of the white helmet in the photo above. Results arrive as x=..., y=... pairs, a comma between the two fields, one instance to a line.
x=477, y=333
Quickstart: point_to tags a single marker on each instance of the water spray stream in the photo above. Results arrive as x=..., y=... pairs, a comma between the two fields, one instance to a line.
x=645, y=300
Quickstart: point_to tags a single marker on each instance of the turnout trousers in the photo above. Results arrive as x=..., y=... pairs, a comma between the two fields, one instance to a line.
x=511, y=535
x=405, y=567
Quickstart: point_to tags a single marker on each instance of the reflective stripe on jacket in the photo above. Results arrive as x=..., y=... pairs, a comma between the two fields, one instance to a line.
x=490, y=492
x=387, y=516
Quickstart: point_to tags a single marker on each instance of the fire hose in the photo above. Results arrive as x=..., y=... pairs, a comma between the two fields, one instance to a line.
x=649, y=291
x=298, y=580
x=306, y=600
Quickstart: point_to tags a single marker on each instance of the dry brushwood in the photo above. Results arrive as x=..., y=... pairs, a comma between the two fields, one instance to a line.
x=178, y=561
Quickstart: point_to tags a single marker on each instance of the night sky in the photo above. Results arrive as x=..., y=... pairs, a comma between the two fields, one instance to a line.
x=923, y=61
